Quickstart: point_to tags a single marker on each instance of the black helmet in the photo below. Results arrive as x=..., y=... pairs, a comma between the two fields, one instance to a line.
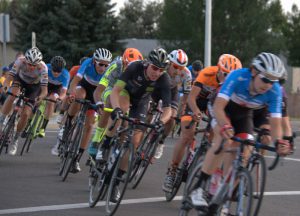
x=82, y=59
x=159, y=57
x=58, y=63
x=197, y=65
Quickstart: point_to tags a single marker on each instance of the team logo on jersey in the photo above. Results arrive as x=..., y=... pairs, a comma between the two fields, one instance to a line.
x=241, y=78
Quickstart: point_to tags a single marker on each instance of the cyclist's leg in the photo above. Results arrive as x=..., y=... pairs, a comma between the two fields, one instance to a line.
x=101, y=127
x=74, y=108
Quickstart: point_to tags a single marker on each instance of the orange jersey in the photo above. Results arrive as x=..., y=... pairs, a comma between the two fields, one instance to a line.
x=207, y=81
x=73, y=71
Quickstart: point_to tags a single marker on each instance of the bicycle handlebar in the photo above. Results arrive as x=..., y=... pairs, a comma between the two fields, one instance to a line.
x=204, y=118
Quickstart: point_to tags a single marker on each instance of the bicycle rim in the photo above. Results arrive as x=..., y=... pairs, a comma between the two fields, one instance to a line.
x=26, y=143
x=258, y=171
x=178, y=180
x=96, y=187
x=122, y=182
x=8, y=132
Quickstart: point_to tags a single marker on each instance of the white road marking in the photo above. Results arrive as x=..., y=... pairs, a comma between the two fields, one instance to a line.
x=124, y=202
x=286, y=158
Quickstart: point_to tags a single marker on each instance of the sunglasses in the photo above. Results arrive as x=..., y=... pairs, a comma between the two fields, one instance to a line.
x=100, y=64
x=155, y=68
x=266, y=80
x=31, y=65
x=223, y=73
x=177, y=67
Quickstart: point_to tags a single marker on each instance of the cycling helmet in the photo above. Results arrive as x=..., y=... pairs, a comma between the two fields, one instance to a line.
x=268, y=63
x=197, y=65
x=5, y=69
x=178, y=57
x=158, y=57
x=102, y=54
x=58, y=63
x=82, y=59
x=132, y=54
x=33, y=56
x=228, y=63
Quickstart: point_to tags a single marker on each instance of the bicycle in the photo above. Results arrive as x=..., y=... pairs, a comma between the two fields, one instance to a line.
x=235, y=186
x=34, y=125
x=105, y=177
x=192, y=158
x=8, y=130
x=72, y=136
x=146, y=150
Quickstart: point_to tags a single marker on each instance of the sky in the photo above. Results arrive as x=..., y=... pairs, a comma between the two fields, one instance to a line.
x=286, y=4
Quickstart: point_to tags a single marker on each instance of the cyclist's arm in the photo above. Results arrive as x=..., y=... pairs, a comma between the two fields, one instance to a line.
x=115, y=94
x=276, y=129
x=192, y=99
x=44, y=91
x=62, y=94
x=219, y=111
x=74, y=83
x=166, y=115
x=98, y=92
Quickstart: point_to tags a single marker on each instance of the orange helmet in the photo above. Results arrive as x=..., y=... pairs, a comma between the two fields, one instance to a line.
x=228, y=63
x=132, y=54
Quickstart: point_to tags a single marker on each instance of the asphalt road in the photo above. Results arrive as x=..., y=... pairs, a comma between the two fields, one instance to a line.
x=30, y=186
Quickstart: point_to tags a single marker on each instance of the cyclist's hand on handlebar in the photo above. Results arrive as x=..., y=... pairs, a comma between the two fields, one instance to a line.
x=38, y=100
x=227, y=131
x=197, y=116
x=283, y=147
x=71, y=97
x=116, y=113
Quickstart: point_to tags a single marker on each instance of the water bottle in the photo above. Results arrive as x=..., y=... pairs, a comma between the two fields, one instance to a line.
x=215, y=181
x=113, y=157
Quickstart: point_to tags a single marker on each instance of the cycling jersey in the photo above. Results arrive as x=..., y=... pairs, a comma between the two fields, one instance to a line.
x=38, y=75
x=138, y=86
x=112, y=73
x=236, y=89
x=88, y=72
x=182, y=81
x=207, y=81
x=62, y=80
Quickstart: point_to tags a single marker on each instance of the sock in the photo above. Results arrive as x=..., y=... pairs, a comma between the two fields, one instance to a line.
x=79, y=155
x=119, y=175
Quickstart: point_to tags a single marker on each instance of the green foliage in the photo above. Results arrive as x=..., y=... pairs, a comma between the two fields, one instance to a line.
x=4, y=6
x=72, y=28
x=139, y=20
x=292, y=34
x=240, y=27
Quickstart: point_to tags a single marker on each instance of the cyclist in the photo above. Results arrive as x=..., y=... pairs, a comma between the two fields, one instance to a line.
x=64, y=104
x=103, y=91
x=134, y=87
x=180, y=78
x=82, y=86
x=243, y=91
x=195, y=68
x=58, y=81
x=206, y=83
x=31, y=74
x=5, y=70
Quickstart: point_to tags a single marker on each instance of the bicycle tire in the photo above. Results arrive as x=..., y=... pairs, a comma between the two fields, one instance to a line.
x=75, y=141
x=27, y=142
x=244, y=191
x=8, y=131
x=96, y=186
x=127, y=150
x=143, y=166
x=178, y=180
x=258, y=170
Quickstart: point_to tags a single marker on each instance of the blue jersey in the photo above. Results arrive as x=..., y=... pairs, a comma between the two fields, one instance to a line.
x=63, y=79
x=236, y=89
x=88, y=72
x=191, y=69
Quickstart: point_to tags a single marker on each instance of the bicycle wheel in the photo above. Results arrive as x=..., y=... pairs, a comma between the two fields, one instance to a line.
x=177, y=183
x=7, y=132
x=96, y=184
x=27, y=142
x=241, y=201
x=118, y=180
x=145, y=158
x=258, y=170
x=72, y=151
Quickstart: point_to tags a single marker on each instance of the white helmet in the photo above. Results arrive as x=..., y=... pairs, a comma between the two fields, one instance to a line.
x=179, y=57
x=33, y=56
x=102, y=54
x=268, y=63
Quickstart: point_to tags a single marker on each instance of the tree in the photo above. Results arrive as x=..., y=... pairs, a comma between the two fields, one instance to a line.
x=292, y=34
x=72, y=28
x=4, y=6
x=139, y=20
x=182, y=26
x=242, y=28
